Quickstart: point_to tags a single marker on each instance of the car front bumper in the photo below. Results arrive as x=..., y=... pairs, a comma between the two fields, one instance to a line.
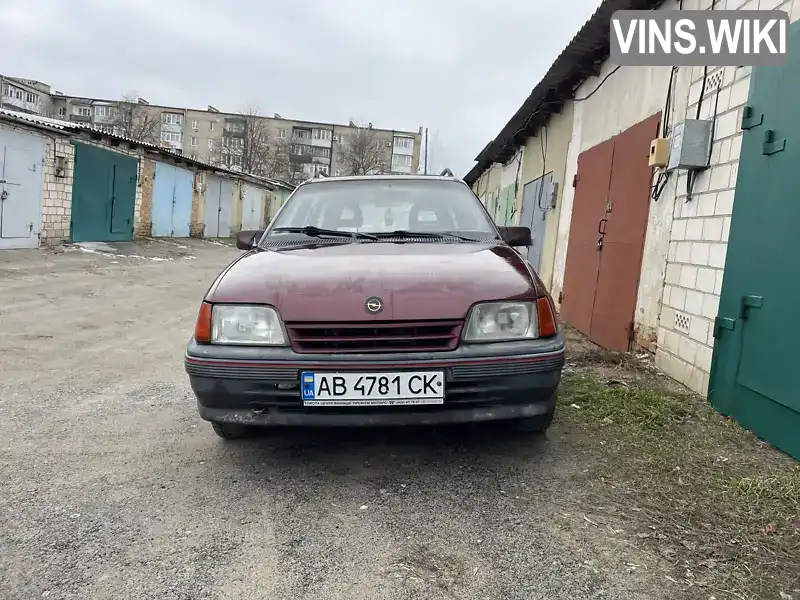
x=261, y=386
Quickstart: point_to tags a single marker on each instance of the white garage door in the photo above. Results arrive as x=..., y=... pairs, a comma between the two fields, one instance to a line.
x=252, y=207
x=21, y=174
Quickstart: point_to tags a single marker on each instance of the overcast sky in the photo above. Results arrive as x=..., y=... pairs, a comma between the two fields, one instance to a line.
x=459, y=67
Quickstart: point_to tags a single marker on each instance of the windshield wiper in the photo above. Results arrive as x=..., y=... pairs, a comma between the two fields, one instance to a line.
x=404, y=233
x=312, y=231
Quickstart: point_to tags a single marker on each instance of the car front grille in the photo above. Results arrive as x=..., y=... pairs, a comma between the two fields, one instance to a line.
x=389, y=336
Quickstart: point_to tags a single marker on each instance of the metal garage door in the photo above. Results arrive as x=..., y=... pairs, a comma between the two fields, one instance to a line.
x=604, y=255
x=103, y=195
x=252, y=207
x=622, y=240
x=218, y=207
x=172, y=201
x=21, y=171
x=583, y=259
x=536, y=198
x=753, y=374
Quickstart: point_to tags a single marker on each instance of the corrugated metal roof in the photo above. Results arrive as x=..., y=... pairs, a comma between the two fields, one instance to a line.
x=578, y=61
x=70, y=127
x=35, y=119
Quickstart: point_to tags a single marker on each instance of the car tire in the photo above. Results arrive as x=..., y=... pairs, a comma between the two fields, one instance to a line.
x=538, y=424
x=231, y=432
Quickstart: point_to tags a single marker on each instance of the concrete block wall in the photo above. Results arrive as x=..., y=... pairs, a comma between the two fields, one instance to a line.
x=236, y=208
x=699, y=233
x=197, y=224
x=57, y=192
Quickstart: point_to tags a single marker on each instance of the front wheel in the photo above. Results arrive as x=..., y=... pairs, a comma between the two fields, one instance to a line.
x=538, y=424
x=231, y=432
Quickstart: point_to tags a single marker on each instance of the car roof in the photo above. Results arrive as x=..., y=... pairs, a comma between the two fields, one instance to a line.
x=317, y=180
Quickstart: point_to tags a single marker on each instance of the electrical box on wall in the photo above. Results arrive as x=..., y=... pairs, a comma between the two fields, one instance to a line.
x=659, y=152
x=690, y=145
x=554, y=195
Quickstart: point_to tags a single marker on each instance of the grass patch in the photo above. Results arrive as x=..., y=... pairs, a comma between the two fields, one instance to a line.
x=625, y=405
x=722, y=507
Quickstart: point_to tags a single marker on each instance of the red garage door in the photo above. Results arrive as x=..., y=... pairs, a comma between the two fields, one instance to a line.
x=609, y=220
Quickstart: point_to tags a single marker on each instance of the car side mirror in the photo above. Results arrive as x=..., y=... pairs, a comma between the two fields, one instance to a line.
x=516, y=236
x=245, y=240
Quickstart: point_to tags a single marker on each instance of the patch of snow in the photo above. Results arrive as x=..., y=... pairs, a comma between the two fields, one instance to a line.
x=95, y=247
x=103, y=249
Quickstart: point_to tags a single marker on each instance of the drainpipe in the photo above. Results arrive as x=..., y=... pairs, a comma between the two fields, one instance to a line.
x=426, y=151
x=330, y=161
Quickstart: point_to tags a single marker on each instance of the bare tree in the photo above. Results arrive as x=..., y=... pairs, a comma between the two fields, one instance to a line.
x=245, y=144
x=363, y=153
x=256, y=151
x=280, y=164
x=136, y=121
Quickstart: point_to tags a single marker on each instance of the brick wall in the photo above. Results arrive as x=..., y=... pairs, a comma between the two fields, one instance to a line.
x=57, y=193
x=143, y=225
x=699, y=233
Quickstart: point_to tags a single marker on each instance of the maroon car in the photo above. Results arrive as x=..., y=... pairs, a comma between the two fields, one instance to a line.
x=381, y=300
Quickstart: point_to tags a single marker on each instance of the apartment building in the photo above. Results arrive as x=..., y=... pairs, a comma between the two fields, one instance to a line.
x=24, y=95
x=213, y=136
x=225, y=138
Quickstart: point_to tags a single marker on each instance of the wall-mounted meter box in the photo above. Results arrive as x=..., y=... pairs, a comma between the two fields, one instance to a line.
x=690, y=145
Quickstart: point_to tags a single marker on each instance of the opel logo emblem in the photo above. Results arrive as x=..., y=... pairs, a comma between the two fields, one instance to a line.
x=374, y=305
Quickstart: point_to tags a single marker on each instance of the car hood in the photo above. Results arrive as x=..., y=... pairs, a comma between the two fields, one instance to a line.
x=415, y=281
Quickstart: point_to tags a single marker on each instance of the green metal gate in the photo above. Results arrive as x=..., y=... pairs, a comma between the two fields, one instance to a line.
x=754, y=375
x=505, y=207
x=103, y=195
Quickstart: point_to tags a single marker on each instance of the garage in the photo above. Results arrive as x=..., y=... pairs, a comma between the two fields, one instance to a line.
x=103, y=195
x=172, y=201
x=252, y=207
x=606, y=240
x=537, y=197
x=21, y=166
x=218, y=206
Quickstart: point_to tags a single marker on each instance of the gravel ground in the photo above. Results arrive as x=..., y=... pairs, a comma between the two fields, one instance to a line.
x=113, y=487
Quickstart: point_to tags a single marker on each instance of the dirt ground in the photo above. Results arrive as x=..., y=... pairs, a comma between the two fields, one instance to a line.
x=112, y=487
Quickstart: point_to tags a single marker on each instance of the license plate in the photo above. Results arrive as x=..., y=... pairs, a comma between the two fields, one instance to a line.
x=372, y=389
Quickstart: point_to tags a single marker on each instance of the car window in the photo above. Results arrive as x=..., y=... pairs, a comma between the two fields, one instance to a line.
x=382, y=205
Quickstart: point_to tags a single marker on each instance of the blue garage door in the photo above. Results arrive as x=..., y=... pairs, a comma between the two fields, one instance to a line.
x=252, y=207
x=172, y=201
x=218, y=207
x=21, y=176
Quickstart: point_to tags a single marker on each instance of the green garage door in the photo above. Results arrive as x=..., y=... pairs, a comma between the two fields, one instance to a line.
x=754, y=376
x=103, y=195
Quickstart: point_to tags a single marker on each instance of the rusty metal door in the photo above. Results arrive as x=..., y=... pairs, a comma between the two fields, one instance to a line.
x=622, y=233
x=583, y=260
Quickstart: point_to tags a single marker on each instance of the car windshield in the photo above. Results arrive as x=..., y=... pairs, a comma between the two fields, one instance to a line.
x=386, y=205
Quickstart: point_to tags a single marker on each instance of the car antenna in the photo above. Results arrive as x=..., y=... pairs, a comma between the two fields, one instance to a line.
x=447, y=173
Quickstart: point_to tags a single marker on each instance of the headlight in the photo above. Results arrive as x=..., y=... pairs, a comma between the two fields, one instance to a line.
x=502, y=321
x=246, y=325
